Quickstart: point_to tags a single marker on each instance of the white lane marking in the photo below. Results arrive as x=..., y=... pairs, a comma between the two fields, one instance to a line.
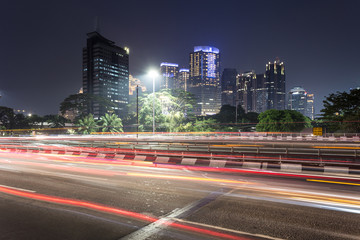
x=151, y=229
x=226, y=229
x=15, y=188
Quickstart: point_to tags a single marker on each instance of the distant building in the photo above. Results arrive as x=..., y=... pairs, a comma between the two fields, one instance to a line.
x=299, y=100
x=251, y=92
x=260, y=95
x=275, y=85
x=183, y=79
x=310, y=111
x=106, y=73
x=204, y=81
x=228, y=86
x=169, y=73
x=245, y=90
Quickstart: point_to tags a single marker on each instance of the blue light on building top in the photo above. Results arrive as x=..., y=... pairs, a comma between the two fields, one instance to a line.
x=184, y=70
x=206, y=49
x=169, y=64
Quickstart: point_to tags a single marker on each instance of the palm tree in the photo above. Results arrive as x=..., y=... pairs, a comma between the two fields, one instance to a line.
x=111, y=123
x=87, y=124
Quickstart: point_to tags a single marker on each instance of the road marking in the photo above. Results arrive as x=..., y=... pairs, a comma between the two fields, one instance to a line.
x=324, y=181
x=20, y=189
x=153, y=228
x=226, y=229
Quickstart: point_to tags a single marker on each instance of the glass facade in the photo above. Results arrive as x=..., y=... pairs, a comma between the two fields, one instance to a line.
x=183, y=79
x=275, y=85
x=204, y=80
x=228, y=86
x=169, y=74
x=106, y=74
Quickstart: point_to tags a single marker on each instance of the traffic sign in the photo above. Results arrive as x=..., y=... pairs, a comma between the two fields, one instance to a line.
x=317, y=131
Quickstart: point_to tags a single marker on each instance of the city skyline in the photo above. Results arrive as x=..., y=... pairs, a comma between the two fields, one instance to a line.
x=41, y=61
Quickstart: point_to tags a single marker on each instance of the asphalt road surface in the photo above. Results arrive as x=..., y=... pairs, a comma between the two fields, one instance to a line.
x=68, y=197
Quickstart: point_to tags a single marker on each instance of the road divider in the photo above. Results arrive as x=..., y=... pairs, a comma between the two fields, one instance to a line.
x=200, y=159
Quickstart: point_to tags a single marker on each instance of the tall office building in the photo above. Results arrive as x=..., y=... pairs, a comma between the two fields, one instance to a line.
x=228, y=86
x=245, y=90
x=301, y=101
x=310, y=111
x=297, y=100
x=106, y=73
x=260, y=95
x=275, y=85
x=204, y=81
x=183, y=79
x=169, y=73
x=251, y=92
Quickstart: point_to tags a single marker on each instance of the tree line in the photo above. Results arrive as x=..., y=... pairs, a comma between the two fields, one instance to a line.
x=174, y=113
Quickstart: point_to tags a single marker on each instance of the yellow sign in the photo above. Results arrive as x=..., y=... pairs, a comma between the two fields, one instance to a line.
x=317, y=131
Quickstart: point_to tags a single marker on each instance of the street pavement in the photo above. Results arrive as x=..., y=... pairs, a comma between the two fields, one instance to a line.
x=46, y=196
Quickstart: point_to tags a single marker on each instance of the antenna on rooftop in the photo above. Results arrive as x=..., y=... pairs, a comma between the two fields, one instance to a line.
x=96, y=24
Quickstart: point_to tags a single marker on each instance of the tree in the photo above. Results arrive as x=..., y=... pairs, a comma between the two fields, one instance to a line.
x=281, y=121
x=79, y=104
x=341, y=111
x=110, y=123
x=171, y=109
x=55, y=121
x=87, y=125
x=7, y=117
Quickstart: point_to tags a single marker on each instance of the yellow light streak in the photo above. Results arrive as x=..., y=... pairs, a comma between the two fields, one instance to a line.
x=324, y=181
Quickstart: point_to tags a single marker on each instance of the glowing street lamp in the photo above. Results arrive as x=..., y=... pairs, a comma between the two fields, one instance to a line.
x=153, y=75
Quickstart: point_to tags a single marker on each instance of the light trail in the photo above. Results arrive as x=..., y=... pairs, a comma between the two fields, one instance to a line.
x=113, y=210
x=324, y=181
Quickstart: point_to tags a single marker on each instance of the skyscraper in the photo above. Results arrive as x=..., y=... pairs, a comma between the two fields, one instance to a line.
x=183, y=79
x=245, y=90
x=301, y=101
x=260, y=94
x=275, y=85
x=310, y=111
x=106, y=73
x=169, y=73
x=228, y=86
x=204, y=81
x=297, y=100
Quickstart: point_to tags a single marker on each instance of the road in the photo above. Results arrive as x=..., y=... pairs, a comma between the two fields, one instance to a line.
x=69, y=197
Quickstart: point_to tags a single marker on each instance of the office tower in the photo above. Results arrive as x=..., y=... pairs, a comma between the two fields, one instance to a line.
x=310, y=112
x=275, y=84
x=204, y=81
x=260, y=94
x=297, y=100
x=228, y=86
x=245, y=90
x=183, y=79
x=106, y=74
x=169, y=73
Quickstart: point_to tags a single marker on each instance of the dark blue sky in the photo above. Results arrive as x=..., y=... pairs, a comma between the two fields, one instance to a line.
x=41, y=42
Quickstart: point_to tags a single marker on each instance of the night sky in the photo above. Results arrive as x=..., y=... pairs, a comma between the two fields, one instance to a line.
x=41, y=42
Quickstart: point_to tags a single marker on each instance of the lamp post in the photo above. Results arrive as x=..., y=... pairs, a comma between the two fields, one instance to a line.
x=153, y=75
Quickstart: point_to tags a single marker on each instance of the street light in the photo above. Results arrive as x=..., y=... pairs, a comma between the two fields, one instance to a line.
x=153, y=75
